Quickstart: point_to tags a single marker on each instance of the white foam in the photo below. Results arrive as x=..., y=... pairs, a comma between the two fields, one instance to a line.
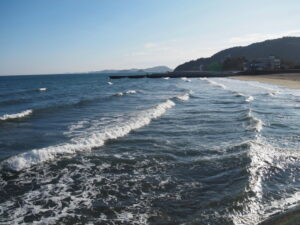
x=256, y=124
x=183, y=97
x=216, y=83
x=130, y=92
x=16, y=115
x=126, y=92
x=109, y=83
x=87, y=141
x=185, y=79
x=264, y=158
x=42, y=89
x=249, y=99
x=166, y=78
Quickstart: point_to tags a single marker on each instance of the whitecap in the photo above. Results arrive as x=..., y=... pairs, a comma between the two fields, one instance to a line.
x=88, y=141
x=109, y=83
x=16, y=115
x=249, y=99
x=42, y=89
x=130, y=92
x=216, y=83
x=264, y=159
x=126, y=92
x=255, y=123
x=183, y=97
x=185, y=79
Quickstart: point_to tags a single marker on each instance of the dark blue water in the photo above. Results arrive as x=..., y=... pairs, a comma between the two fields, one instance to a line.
x=76, y=149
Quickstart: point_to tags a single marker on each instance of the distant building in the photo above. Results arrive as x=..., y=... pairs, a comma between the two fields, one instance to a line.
x=261, y=64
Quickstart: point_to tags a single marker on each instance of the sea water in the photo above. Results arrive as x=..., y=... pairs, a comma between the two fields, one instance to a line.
x=83, y=149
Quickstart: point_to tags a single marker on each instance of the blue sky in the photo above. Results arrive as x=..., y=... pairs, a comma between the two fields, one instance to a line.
x=60, y=36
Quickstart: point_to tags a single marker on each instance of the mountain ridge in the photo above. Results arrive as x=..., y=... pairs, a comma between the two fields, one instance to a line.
x=286, y=48
x=155, y=69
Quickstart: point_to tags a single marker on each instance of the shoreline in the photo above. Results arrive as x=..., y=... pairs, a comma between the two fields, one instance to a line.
x=288, y=80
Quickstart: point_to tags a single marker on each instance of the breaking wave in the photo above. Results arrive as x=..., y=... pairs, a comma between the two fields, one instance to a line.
x=249, y=99
x=126, y=92
x=185, y=79
x=183, y=97
x=16, y=115
x=267, y=162
x=214, y=83
x=42, y=89
x=252, y=123
x=87, y=142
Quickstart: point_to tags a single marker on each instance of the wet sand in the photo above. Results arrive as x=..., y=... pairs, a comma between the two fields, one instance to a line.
x=288, y=80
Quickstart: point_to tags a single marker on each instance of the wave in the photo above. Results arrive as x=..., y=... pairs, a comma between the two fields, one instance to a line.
x=249, y=99
x=238, y=94
x=216, y=83
x=255, y=124
x=56, y=107
x=166, y=78
x=109, y=83
x=267, y=162
x=14, y=101
x=16, y=115
x=183, y=97
x=23, y=92
x=185, y=79
x=94, y=139
x=126, y=92
x=42, y=89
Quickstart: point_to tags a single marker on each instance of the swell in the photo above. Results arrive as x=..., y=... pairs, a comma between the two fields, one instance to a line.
x=236, y=94
x=79, y=103
x=23, y=92
x=86, y=142
x=14, y=101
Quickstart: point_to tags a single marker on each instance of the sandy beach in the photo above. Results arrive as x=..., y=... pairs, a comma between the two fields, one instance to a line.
x=288, y=80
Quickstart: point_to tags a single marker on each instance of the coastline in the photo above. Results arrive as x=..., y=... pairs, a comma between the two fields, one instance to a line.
x=291, y=81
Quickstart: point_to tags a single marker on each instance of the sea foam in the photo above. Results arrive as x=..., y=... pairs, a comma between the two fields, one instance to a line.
x=126, y=92
x=255, y=123
x=16, y=115
x=183, y=97
x=249, y=99
x=185, y=79
x=215, y=83
x=86, y=142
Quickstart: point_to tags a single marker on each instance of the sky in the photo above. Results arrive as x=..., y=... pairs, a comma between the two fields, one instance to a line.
x=64, y=36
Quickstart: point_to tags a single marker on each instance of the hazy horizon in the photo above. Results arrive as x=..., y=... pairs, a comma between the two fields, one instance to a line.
x=53, y=37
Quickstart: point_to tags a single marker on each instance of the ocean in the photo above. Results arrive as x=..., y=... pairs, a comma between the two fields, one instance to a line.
x=83, y=149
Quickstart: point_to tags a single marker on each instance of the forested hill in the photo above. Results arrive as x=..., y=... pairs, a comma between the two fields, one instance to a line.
x=287, y=49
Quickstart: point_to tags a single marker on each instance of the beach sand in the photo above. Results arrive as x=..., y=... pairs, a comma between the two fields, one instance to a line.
x=288, y=80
